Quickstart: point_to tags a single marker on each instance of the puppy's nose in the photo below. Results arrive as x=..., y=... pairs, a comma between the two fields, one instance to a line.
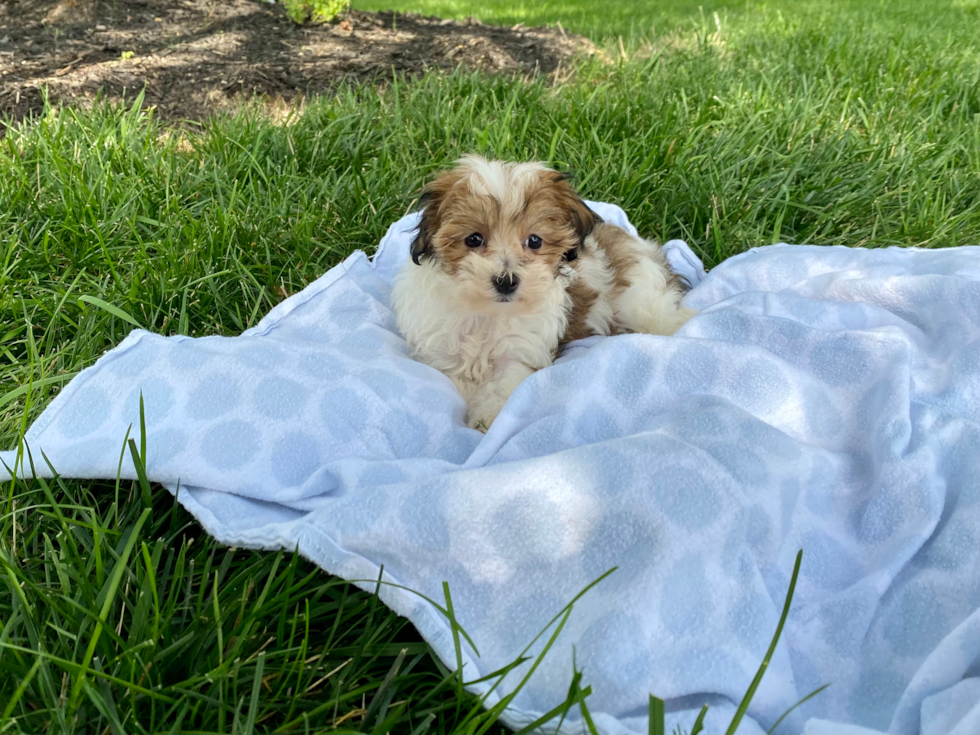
x=506, y=283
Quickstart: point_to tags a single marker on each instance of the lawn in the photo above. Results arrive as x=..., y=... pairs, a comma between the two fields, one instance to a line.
x=627, y=18
x=641, y=19
x=844, y=123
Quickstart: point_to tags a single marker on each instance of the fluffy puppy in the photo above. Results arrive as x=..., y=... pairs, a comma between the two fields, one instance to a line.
x=508, y=265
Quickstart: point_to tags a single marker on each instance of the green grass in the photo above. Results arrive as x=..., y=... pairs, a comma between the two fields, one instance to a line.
x=852, y=124
x=633, y=19
x=627, y=18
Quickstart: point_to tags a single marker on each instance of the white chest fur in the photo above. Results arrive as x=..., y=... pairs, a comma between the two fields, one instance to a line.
x=473, y=348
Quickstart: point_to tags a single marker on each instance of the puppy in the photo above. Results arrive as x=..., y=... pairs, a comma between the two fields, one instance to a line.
x=508, y=265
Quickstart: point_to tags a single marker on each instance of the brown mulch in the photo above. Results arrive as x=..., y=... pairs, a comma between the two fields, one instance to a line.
x=195, y=57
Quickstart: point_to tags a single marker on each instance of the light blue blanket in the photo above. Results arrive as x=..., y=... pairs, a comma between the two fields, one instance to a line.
x=825, y=398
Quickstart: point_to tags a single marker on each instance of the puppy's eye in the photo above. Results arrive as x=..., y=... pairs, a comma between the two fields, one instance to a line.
x=474, y=241
x=533, y=242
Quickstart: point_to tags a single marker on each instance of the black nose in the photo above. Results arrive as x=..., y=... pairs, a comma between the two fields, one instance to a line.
x=506, y=283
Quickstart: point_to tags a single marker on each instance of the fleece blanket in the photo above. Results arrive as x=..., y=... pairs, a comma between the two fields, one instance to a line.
x=824, y=399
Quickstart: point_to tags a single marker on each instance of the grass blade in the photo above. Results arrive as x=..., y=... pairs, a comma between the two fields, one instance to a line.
x=457, y=647
x=561, y=709
x=805, y=699
x=699, y=722
x=114, y=310
x=114, y=580
x=424, y=725
x=19, y=691
x=23, y=390
x=253, y=705
x=375, y=707
x=747, y=699
x=587, y=716
x=142, y=431
x=656, y=725
x=145, y=489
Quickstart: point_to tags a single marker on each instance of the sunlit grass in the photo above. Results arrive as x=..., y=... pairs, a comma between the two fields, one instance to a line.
x=633, y=19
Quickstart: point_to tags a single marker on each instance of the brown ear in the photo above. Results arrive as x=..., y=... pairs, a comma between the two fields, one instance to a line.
x=582, y=219
x=433, y=198
x=422, y=241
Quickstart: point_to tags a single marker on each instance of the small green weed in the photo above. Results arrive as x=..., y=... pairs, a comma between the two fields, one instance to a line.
x=315, y=11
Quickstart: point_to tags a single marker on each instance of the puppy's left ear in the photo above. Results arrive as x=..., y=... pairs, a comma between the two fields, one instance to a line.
x=581, y=219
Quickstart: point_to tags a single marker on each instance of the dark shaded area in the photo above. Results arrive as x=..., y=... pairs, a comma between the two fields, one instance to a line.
x=198, y=56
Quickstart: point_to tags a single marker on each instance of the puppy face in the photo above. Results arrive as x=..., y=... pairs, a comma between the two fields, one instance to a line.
x=501, y=230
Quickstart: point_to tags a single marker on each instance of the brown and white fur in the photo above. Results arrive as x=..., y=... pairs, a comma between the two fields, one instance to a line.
x=508, y=265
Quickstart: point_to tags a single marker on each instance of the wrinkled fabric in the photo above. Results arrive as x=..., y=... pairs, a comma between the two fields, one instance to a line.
x=824, y=399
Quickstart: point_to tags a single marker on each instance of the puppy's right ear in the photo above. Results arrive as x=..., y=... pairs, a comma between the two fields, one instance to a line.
x=435, y=197
x=426, y=227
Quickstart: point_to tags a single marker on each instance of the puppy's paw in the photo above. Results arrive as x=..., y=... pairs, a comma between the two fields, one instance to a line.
x=479, y=424
x=488, y=400
x=480, y=419
x=483, y=409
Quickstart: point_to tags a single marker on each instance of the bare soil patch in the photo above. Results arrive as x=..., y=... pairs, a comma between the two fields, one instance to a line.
x=194, y=57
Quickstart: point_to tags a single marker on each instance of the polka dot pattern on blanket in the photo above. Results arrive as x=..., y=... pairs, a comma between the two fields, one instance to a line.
x=824, y=398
